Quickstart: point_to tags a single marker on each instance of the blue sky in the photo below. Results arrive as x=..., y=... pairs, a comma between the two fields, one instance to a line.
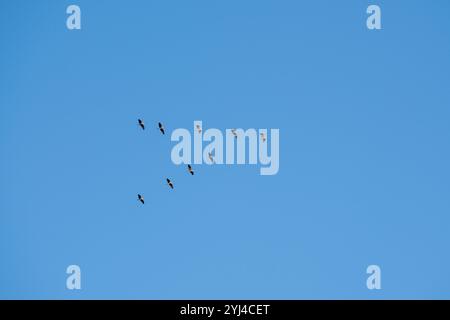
x=364, y=149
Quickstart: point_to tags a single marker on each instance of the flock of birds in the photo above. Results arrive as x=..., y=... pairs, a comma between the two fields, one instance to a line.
x=189, y=167
x=169, y=182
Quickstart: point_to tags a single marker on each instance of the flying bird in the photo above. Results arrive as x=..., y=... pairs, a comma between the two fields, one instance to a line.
x=169, y=183
x=199, y=129
x=161, y=128
x=211, y=158
x=190, y=169
x=263, y=137
x=233, y=131
x=141, y=198
x=141, y=123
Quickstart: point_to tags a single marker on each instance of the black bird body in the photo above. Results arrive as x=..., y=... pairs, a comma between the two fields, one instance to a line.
x=141, y=124
x=161, y=128
x=211, y=158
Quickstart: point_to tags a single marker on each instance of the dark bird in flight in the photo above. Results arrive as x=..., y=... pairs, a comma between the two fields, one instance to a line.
x=211, y=158
x=161, y=128
x=169, y=183
x=233, y=131
x=199, y=129
x=141, y=123
x=141, y=198
x=190, y=169
x=263, y=137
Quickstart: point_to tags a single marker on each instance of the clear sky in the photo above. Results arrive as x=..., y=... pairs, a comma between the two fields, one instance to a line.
x=364, y=149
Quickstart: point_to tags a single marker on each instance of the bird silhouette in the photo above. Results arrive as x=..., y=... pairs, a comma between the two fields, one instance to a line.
x=161, y=128
x=190, y=169
x=263, y=137
x=169, y=183
x=141, y=198
x=211, y=158
x=233, y=131
x=199, y=129
x=141, y=123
